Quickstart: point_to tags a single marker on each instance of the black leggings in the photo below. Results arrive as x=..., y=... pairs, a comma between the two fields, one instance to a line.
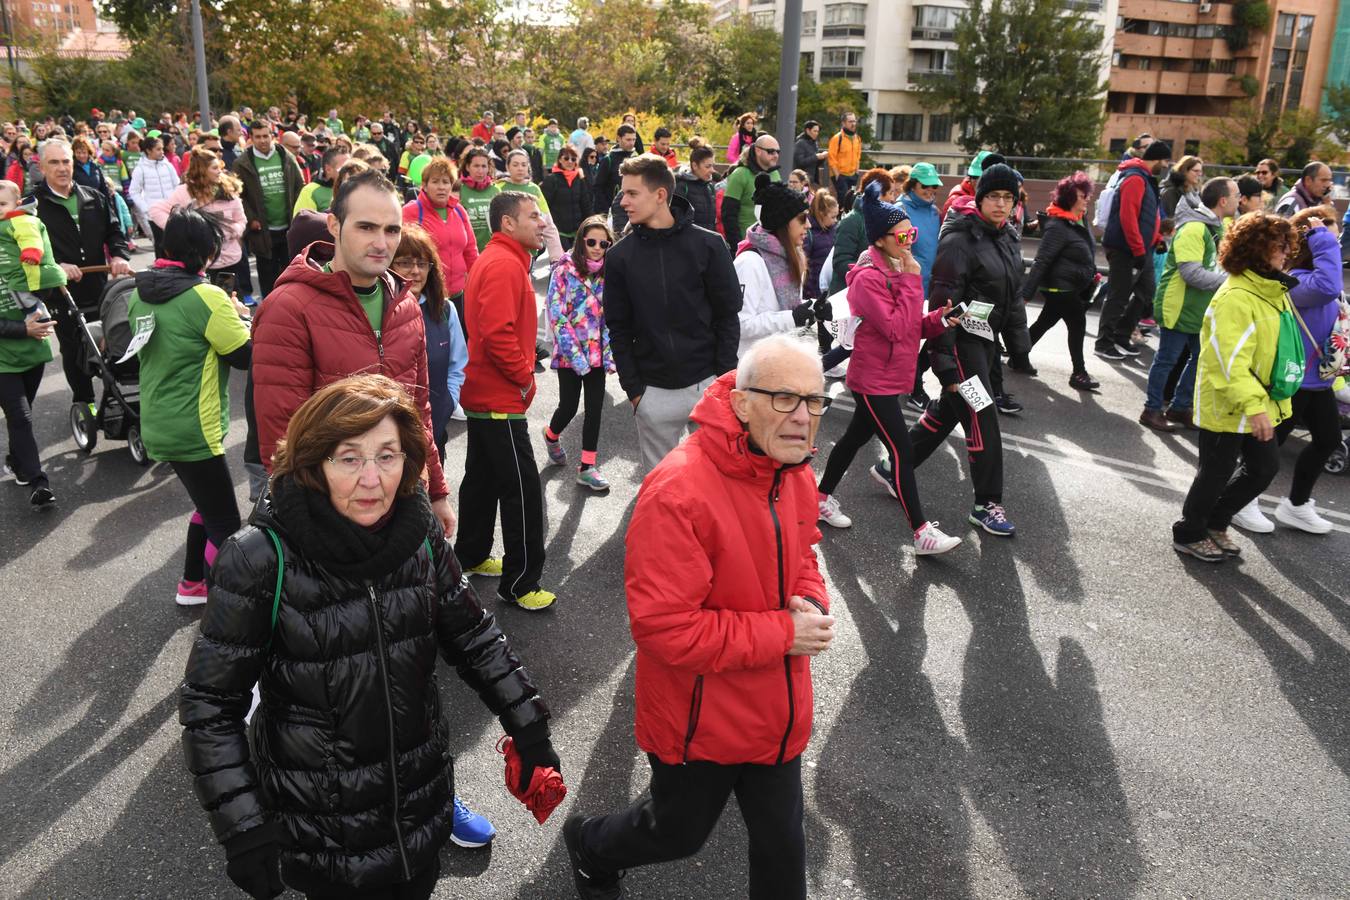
x=1065, y=306
x=1221, y=488
x=878, y=414
x=1318, y=412
x=570, y=386
x=17, y=392
x=217, y=515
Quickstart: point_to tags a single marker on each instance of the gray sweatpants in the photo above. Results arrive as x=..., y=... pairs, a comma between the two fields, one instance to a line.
x=662, y=417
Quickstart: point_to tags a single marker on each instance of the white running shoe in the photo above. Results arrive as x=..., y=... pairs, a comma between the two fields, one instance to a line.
x=838, y=371
x=931, y=540
x=1250, y=518
x=1304, y=518
x=831, y=515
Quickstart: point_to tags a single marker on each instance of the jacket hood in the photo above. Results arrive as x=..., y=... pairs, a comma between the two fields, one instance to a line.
x=1135, y=163
x=161, y=284
x=1186, y=213
x=307, y=269
x=724, y=437
x=681, y=209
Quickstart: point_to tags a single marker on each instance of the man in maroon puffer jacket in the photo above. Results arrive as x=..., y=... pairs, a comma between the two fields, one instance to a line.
x=337, y=311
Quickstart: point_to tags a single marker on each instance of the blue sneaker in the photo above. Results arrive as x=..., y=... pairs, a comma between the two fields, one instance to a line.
x=248, y=300
x=993, y=520
x=471, y=829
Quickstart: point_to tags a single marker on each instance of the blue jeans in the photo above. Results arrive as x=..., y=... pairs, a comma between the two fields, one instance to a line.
x=1170, y=345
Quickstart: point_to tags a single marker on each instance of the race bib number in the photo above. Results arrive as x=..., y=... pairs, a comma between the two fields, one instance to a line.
x=143, y=327
x=976, y=320
x=973, y=392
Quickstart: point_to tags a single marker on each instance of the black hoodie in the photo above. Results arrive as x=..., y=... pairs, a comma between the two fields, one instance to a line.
x=672, y=302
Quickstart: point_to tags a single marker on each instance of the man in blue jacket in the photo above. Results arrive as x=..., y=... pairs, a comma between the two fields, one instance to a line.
x=1131, y=233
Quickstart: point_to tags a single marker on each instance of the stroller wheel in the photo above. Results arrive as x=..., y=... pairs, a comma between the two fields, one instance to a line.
x=1336, y=464
x=137, y=446
x=83, y=427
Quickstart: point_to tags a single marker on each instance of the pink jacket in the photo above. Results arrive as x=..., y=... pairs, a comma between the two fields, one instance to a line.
x=886, y=345
x=455, y=243
x=231, y=213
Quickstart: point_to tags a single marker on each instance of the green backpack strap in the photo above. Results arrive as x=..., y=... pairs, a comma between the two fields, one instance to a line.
x=281, y=568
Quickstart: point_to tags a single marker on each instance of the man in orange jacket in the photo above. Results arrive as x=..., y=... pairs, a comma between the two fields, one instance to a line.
x=727, y=606
x=499, y=469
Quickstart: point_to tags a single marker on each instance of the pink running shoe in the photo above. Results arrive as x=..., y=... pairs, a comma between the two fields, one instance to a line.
x=191, y=593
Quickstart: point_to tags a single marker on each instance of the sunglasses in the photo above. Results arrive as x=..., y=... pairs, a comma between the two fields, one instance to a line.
x=908, y=236
x=774, y=152
x=599, y=242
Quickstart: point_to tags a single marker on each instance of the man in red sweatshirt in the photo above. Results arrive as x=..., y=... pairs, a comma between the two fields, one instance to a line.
x=499, y=470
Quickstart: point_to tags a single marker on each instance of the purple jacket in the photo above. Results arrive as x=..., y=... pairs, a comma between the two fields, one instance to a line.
x=1315, y=296
x=886, y=345
x=819, y=243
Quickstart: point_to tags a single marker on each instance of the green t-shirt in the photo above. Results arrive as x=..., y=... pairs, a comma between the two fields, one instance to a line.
x=741, y=186
x=20, y=354
x=113, y=172
x=335, y=126
x=313, y=196
x=476, y=205
x=272, y=175
x=185, y=385
x=130, y=159
x=372, y=301
x=71, y=203
x=552, y=146
x=530, y=188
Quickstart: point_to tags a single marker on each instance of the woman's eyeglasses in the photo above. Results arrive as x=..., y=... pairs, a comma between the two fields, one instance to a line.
x=905, y=236
x=598, y=242
x=411, y=262
x=387, y=461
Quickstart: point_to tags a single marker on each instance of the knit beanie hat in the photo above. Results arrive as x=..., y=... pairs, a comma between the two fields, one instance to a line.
x=879, y=217
x=1157, y=150
x=998, y=177
x=778, y=204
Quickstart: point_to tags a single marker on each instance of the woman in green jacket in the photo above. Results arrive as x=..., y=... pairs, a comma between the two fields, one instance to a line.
x=25, y=350
x=1246, y=373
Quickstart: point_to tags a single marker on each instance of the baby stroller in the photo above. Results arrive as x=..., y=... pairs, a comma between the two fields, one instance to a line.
x=104, y=344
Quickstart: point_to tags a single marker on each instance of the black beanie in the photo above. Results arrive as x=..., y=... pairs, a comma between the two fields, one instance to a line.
x=1157, y=150
x=778, y=204
x=998, y=177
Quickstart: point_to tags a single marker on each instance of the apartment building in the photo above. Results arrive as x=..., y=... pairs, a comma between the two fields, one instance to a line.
x=880, y=47
x=1177, y=67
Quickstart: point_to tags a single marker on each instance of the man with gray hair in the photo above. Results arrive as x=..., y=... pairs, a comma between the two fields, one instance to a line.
x=581, y=138
x=727, y=606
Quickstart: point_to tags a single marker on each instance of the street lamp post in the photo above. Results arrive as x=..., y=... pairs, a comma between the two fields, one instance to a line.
x=199, y=50
x=789, y=67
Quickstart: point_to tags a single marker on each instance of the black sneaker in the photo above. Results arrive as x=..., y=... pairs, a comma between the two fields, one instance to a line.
x=42, y=498
x=590, y=886
x=1128, y=348
x=1112, y=353
x=1007, y=405
x=918, y=401
x=1083, y=381
x=1021, y=365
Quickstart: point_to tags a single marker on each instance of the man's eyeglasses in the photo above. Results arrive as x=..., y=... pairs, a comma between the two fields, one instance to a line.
x=597, y=242
x=787, y=403
x=387, y=461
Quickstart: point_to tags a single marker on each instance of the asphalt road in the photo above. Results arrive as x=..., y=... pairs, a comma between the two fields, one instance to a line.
x=1076, y=712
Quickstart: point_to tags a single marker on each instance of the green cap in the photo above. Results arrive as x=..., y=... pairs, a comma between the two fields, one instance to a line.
x=925, y=174
x=977, y=164
x=138, y=123
x=153, y=132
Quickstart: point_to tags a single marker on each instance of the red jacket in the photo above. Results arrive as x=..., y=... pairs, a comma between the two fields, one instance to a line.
x=720, y=539
x=502, y=317
x=963, y=188
x=312, y=331
x=481, y=130
x=455, y=242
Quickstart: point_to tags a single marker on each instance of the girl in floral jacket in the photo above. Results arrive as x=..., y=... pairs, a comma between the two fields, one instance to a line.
x=581, y=353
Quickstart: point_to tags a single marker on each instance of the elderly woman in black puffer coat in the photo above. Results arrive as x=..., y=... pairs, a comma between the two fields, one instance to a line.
x=350, y=784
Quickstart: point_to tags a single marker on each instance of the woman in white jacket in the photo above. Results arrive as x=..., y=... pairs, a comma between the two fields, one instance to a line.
x=206, y=185
x=771, y=266
x=153, y=180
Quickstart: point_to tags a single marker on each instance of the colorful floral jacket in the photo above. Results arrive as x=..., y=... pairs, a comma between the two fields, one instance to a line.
x=576, y=314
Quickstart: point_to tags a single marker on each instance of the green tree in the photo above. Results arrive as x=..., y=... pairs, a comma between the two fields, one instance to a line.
x=1027, y=77
x=827, y=101
x=744, y=71
x=1249, y=134
x=1338, y=111
x=138, y=17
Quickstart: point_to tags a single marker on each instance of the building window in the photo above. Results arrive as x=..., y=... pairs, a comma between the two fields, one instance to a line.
x=1284, y=25
x=841, y=62
x=940, y=129
x=845, y=20
x=935, y=23
x=933, y=62
x=809, y=64
x=1117, y=147
x=762, y=19
x=809, y=24
x=1192, y=147
x=905, y=127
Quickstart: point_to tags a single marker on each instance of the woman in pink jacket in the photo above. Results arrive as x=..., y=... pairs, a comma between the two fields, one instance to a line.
x=745, y=135
x=207, y=186
x=885, y=290
x=437, y=210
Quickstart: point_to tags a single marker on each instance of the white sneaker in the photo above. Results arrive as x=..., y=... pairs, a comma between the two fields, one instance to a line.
x=838, y=371
x=1250, y=518
x=1304, y=518
x=831, y=515
x=931, y=540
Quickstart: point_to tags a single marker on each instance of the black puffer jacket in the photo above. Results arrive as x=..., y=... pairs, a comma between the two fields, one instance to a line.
x=977, y=262
x=569, y=204
x=97, y=236
x=1065, y=260
x=351, y=745
x=701, y=196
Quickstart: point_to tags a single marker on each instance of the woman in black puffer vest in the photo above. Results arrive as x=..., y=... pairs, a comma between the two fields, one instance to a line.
x=350, y=786
x=568, y=194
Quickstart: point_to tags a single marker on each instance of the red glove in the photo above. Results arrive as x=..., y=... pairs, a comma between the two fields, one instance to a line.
x=31, y=256
x=546, y=789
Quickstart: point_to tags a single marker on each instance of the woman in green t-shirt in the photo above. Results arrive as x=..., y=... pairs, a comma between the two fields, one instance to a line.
x=518, y=178
x=476, y=190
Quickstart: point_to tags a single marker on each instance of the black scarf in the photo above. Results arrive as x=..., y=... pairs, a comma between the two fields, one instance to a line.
x=324, y=536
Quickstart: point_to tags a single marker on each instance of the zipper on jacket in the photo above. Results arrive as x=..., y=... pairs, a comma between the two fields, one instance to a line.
x=775, y=491
x=379, y=346
x=389, y=713
x=695, y=709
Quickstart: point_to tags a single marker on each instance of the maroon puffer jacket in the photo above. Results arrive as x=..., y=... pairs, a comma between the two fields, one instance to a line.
x=312, y=331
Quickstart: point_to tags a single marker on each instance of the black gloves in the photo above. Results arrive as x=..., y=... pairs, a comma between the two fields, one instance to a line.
x=536, y=752
x=824, y=311
x=252, y=861
x=802, y=315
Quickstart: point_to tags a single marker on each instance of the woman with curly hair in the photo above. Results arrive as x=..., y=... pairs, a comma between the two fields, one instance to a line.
x=209, y=187
x=1251, y=364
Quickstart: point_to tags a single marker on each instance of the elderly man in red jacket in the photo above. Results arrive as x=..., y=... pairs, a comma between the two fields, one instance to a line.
x=337, y=311
x=727, y=606
x=502, y=317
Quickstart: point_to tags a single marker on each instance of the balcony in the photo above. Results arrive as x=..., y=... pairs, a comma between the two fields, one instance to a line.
x=1214, y=84
x=847, y=73
x=844, y=31
x=933, y=34
x=1084, y=5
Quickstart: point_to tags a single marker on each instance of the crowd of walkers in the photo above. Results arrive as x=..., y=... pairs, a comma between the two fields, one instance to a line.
x=375, y=283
